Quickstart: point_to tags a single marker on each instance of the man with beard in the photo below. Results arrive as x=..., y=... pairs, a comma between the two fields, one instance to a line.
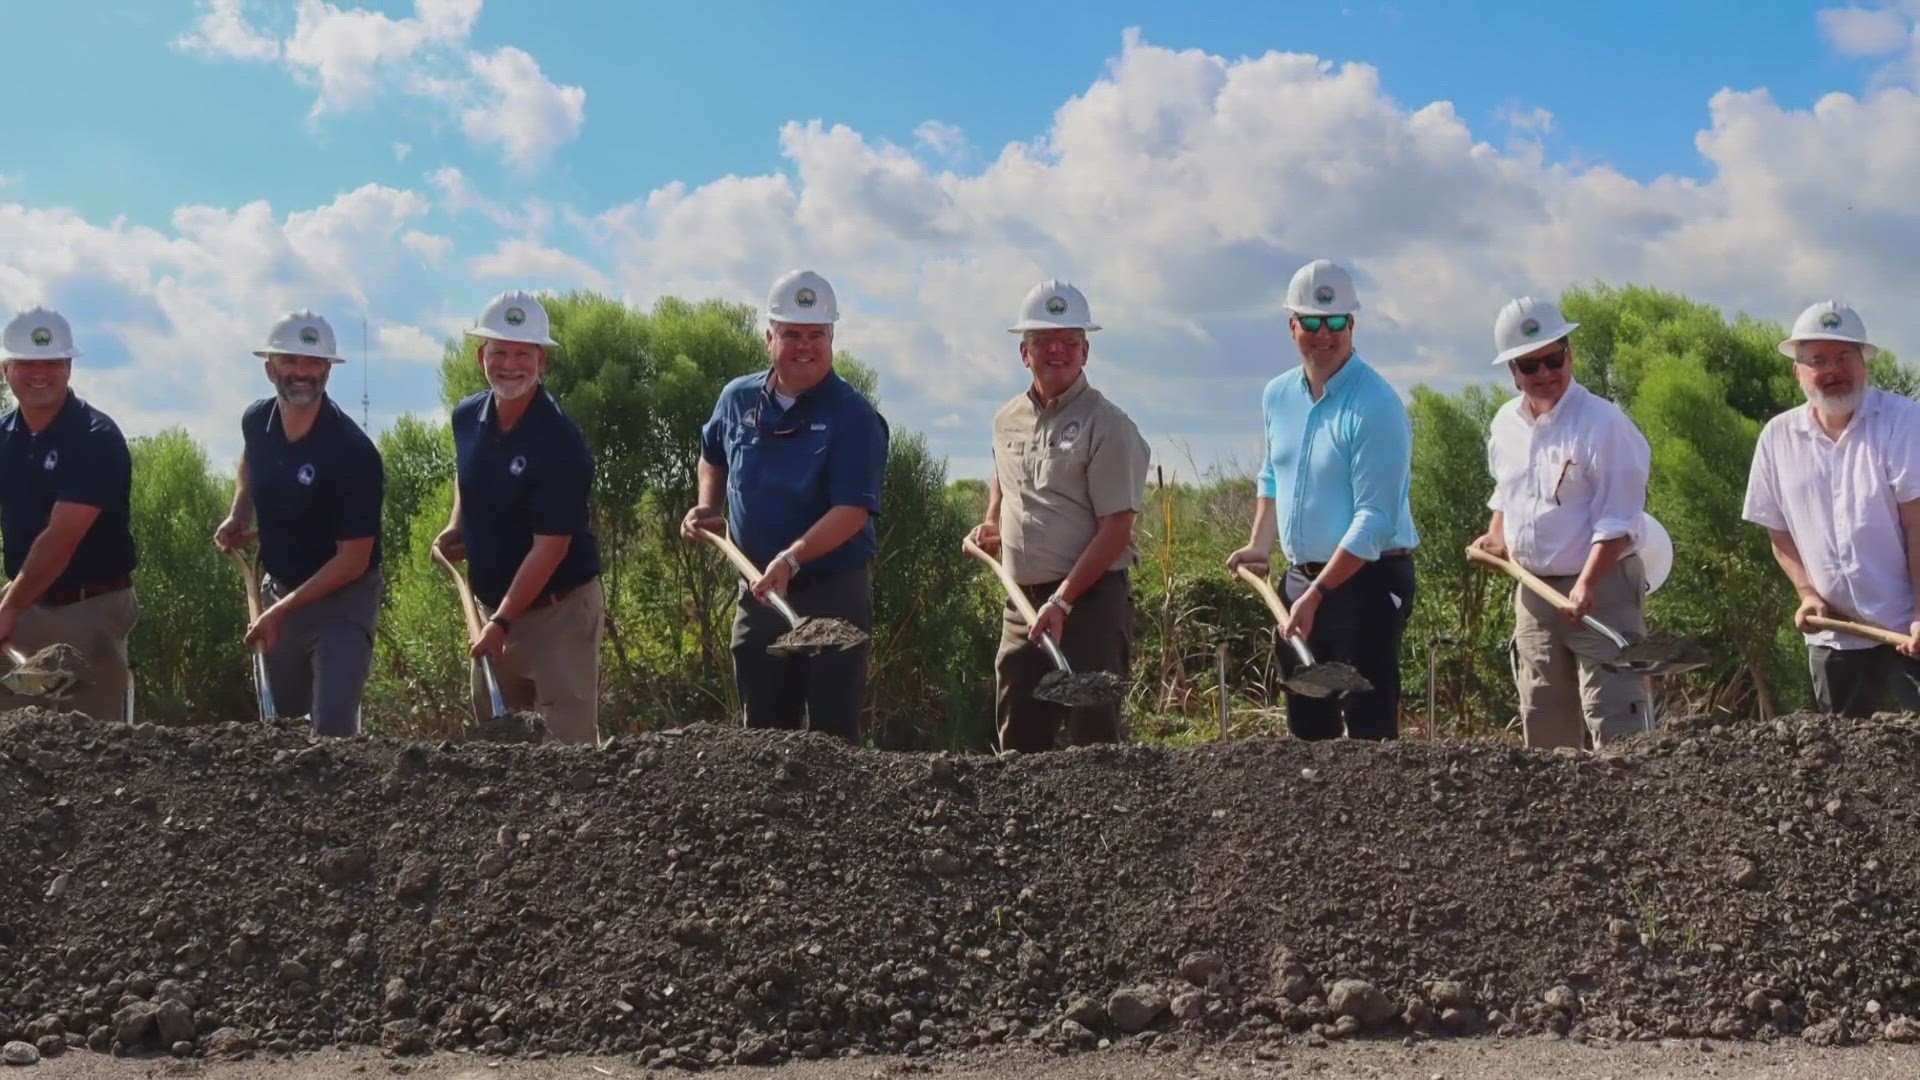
x=797, y=456
x=521, y=517
x=313, y=482
x=1339, y=466
x=1836, y=484
x=66, y=486
x=1570, y=485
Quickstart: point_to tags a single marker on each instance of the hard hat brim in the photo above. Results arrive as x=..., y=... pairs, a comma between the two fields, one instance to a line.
x=1868, y=350
x=1519, y=351
x=1319, y=310
x=1025, y=325
x=803, y=320
x=495, y=335
x=44, y=354
x=267, y=354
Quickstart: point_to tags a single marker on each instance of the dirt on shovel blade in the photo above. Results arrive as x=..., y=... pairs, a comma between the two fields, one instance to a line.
x=1327, y=679
x=512, y=727
x=1663, y=651
x=1081, y=688
x=54, y=669
x=817, y=634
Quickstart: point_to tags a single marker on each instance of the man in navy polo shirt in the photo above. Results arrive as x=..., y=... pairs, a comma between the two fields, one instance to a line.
x=520, y=517
x=66, y=482
x=800, y=455
x=314, y=482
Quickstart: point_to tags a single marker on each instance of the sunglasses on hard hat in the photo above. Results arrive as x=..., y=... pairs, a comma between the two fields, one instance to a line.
x=1312, y=323
x=1554, y=362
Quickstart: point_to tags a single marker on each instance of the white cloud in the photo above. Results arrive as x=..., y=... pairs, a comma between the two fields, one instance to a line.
x=432, y=249
x=1859, y=31
x=524, y=260
x=409, y=344
x=402, y=151
x=942, y=138
x=352, y=55
x=9, y=179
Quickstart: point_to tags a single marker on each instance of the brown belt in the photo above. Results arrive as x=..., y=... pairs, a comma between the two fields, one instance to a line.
x=73, y=594
x=548, y=599
x=1312, y=569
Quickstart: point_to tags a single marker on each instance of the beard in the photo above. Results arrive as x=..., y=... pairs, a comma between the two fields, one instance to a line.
x=512, y=391
x=1837, y=404
x=299, y=392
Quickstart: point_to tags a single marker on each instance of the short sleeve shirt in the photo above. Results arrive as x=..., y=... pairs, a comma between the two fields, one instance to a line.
x=310, y=494
x=788, y=465
x=1567, y=480
x=81, y=458
x=534, y=480
x=1062, y=467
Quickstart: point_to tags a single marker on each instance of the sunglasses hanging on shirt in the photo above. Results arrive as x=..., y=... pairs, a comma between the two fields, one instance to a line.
x=1554, y=362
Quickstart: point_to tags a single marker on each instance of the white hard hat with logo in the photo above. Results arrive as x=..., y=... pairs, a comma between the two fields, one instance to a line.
x=1525, y=325
x=1322, y=287
x=302, y=334
x=1829, y=320
x=38, y=334
x=802, y=296
x=1054, y=305
x=515, y=316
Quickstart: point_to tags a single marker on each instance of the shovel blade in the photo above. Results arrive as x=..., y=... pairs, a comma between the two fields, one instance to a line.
x=1081, y=688
x=1328, y=678
x=1659, y=654
x=816, y=635
x=53, y=673
x=509, y=727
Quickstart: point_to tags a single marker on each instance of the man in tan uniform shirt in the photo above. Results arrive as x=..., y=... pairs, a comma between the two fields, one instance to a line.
x=1070, y=476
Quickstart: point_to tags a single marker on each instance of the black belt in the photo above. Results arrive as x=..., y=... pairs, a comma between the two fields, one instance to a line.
x=1312, y=569
x=548, y=599
x=73, y=594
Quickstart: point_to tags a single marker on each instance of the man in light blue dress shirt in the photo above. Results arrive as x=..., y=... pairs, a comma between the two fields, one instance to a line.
x=1339, y=465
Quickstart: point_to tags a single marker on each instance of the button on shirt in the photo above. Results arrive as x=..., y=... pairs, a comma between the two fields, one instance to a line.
x=1840, y=501
x=787, y=466
x=311, y=493
x=1339, y=470
x=1062, y=468
x=1566, y=481
x=515, y=485
x=81, y=458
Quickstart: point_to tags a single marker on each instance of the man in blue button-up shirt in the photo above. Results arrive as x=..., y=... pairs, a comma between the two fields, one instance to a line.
x=800, y=456
x=1339, y=461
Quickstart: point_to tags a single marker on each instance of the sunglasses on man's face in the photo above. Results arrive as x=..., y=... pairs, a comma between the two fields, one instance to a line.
x=1554, y=362
x=1312, y=323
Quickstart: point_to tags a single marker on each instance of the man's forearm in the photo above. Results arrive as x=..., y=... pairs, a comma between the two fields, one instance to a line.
x=45, y=562
x=335, y=574
x=1264, y=531
x=713, y=483
x=535, y=571
x=1787, y=554
x=835, y=527
x=1602, y=556
x=1342, y=566
x=1106, y=547
x=242, y=509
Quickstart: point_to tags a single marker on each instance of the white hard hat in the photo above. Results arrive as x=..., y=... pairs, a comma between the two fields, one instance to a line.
x=802, y=296
x=1322, y=288
x=38, y=334
x=1656, y=552
x=1054, y=305
x=1526, y=324
x=302, y=334
x=515, y=316
x=1829, y=320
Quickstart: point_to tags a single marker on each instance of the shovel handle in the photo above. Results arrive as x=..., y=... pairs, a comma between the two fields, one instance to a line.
x=251, y=577
x=1544, y=591
x=749, y=571
x=471, y=612
x=1865, y=630
x=1019, y=598
x=1279, y=608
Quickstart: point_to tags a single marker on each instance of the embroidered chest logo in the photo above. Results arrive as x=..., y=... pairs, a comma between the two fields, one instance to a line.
x=305, y=475
x=51, y=460
x=1069, y=434
x=518, y=465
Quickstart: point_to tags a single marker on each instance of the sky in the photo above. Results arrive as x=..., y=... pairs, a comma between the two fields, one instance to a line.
x=175, y=175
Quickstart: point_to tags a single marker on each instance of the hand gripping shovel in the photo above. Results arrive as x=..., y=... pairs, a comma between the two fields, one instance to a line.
x=1060, y=686
x=1865, y=630
x=262, y=691
x=504, y=726
x=51, y=673
x=1310, y=679
x=809, y=634
x=1654, y=654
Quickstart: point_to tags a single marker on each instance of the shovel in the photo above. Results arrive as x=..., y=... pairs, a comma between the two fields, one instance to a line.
x=1060, y=686
x=51, y=673
x=505, y=726
x=1310, y=679
x=1865, y=630
x=1654, y=654
x=261, y=690
x=809, y=634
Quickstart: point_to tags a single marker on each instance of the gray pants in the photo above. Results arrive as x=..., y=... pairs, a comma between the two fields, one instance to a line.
x=320, y=665
x=1861, y=682
x=822, y=692
x=1566, y=697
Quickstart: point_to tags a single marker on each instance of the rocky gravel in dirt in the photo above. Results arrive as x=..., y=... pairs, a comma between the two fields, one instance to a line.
x=705, y=897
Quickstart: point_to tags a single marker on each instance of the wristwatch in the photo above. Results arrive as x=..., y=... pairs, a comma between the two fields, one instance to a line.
x=792, y=561
x=505, y=623
x=1061, y=602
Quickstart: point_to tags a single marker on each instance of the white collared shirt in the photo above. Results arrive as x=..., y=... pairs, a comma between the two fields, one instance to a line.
x=1566, y=481
x=1840, y=501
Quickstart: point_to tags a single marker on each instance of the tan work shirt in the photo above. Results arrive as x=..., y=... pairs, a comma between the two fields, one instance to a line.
x=1062, y=468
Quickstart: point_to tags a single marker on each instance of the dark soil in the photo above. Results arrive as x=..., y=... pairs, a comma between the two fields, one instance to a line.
x=1327, y=678
x=707, y=896
x=817, y=633
x=1081, y=688
x=510, y=727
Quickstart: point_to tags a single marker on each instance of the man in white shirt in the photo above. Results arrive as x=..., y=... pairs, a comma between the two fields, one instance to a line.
x=1570, y=486
x=1836, y=483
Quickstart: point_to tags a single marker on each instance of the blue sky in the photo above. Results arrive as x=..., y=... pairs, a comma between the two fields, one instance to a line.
x=1164, y=156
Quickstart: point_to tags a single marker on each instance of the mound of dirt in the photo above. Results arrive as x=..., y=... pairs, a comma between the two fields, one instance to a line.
x=711, y=896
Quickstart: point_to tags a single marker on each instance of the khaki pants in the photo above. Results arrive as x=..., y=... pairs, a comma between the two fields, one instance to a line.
x=552, y=666
x=1565, y=695
x=97, y=626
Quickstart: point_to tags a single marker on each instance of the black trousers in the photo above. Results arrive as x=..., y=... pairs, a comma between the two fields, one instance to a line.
x=822, y=692
x=1360, y=623
x=1098, y=636
x=1861, y=682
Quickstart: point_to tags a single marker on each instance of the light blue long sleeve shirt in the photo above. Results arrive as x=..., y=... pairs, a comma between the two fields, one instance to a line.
x=1339, y=470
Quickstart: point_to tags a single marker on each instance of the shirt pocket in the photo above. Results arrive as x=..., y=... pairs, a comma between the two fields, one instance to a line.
x=1565, y=480
x=1063, y=470
x=786, y=465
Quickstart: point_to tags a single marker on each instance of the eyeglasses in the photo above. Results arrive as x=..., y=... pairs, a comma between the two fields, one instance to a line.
x=1554, y=361
x=1312, y=323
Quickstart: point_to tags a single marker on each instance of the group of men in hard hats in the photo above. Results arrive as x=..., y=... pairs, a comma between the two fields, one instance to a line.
x=792, y=464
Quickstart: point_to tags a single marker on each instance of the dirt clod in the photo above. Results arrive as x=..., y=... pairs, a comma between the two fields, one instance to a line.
x=20, y=1053
x=817, y=633
x=1080, y=688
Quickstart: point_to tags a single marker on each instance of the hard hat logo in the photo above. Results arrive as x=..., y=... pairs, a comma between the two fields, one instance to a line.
x=42, y=336
x=1056, y=305
x=1830, y=320
x=805, y=297
x=309, y=336
x=1323, y=294
x=515, y=316
x=1530, y=327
